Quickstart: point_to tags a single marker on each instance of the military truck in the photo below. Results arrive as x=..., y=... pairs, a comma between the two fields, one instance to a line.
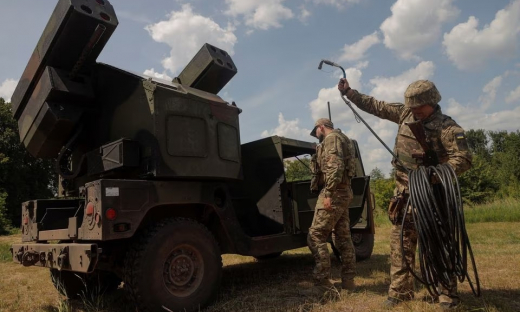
x=154, y=183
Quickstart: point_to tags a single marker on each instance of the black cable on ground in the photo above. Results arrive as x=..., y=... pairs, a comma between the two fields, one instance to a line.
x=438, y=215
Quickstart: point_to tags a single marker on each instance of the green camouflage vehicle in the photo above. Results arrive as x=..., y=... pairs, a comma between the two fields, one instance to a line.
x=155, y=184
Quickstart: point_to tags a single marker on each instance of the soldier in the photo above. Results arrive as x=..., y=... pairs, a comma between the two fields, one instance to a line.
x=449, y=142
x=332, y=168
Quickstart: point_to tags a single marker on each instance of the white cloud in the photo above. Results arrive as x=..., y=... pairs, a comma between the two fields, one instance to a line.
x=416, y=24
x=153, y=73
x=260, y=14
x=289, y=129
x=318, y=107
x=361, y=65
x=336, y=3
x=391, y=89
x=7, y=88
x=490, y=92
x=467, y=47
x=513, y=95
x=357, y=50
x=471, y=117
x=476, y=116
x=304, y=14
x=185, y=32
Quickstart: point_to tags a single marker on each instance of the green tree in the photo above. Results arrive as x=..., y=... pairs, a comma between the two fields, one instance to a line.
x=5, y=225
x=478, y=142
x=376, y=174
x=297, y=170
x=506, y=162
x=383, y=188
x=496, y=166
x=22, y=177
x=478, y=185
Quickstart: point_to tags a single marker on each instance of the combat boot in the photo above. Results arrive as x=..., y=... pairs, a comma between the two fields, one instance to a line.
x=390, y=302
x=319, y=289
x=347, y=284
x=449, y=306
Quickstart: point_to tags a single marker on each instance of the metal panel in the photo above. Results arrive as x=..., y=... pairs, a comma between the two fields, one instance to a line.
x=186, y=136
x=228, y=142
x=119, y=154
x=62, y=234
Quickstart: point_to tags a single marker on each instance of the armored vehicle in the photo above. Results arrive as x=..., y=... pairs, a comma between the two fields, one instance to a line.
x=155, y=184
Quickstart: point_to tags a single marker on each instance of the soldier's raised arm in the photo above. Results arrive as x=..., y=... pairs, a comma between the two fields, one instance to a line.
x=334, y=164
x=454, y=141
x=367, y=103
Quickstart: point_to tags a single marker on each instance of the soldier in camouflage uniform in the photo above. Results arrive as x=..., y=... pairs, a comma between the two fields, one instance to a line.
x=448, y=141
x=332, y=168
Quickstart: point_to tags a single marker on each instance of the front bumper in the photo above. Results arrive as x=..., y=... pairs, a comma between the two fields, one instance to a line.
x=67, y=256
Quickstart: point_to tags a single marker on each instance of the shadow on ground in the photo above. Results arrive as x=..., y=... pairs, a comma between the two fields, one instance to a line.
x=278, y=284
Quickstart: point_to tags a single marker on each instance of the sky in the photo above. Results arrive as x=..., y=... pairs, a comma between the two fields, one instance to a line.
x=468, y=48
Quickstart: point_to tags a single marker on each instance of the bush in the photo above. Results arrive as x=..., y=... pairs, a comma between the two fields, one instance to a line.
x=5, y=227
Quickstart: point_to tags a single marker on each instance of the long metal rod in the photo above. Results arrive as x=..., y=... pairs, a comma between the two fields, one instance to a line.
x=369, y=128
x=358, y=117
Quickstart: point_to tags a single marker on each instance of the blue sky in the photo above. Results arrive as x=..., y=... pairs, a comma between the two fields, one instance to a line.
x=468, y=48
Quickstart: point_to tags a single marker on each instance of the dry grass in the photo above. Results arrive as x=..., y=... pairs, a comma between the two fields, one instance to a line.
x=275, y=285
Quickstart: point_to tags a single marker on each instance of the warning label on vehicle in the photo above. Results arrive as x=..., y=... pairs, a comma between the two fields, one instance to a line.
x=112, y=191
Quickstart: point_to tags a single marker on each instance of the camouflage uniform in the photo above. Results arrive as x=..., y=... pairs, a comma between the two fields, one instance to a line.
x=448, y=141
x=333, y=167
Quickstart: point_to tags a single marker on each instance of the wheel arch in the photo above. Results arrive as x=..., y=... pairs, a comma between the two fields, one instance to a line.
x=205, y=214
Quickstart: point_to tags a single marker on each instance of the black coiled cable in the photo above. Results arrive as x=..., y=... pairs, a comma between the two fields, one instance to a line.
x=439, y=219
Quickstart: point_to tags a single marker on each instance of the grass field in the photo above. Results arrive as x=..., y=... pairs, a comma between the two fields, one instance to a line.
x=275, y=285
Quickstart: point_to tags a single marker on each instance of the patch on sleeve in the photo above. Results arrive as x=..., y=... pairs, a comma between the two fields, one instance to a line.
x=460, y=136
x=462, y=143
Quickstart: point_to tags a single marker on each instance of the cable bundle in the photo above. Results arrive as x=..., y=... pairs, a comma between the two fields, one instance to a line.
x=439, y=219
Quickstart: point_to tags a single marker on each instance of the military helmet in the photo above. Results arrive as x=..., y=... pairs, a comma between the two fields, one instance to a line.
x=322, y=122
x=420, y=93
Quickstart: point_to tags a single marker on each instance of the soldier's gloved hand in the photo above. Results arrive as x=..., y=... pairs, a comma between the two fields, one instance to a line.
x=343, y=86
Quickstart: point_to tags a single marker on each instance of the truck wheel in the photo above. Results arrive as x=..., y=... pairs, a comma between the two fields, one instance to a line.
x=74, y=285
x=268, y=256
x=174, y=265
x=364, y=244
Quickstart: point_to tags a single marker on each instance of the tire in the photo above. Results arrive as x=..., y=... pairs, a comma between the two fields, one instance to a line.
x=268, y=256
x=364, y=245
x=174, y=265
x=74, y=285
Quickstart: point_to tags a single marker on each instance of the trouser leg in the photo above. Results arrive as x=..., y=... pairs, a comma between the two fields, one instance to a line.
x=342, y=239
x=401, y=280
x=449, y=295
x=317, y=240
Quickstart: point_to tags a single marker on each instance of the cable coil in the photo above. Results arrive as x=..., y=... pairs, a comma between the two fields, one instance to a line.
x=438, y=215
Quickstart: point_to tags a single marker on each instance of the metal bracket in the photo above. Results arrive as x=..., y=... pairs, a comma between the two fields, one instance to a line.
x=149, y=88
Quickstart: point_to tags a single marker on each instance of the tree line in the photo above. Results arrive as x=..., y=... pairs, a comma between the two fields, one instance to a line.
x=22, y=177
